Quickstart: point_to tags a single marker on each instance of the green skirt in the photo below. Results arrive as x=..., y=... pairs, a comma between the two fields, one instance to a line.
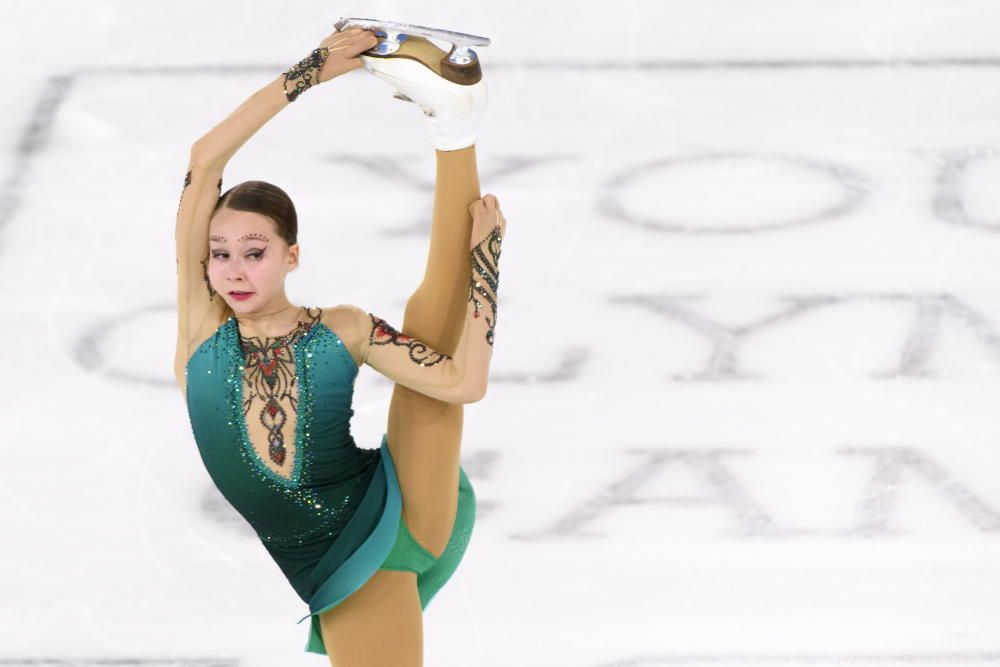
x=360, y=549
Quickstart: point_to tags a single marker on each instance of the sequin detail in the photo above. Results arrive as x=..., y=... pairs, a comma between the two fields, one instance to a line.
x=488, y=270
x=302, y=73
x=270, y=365
x=297, y=488
x=382, y=333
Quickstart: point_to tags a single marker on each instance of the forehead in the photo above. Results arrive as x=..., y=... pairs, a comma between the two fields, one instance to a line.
x=230, y=226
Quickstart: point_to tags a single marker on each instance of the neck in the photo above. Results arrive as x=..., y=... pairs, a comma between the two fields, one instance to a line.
x=271, y=321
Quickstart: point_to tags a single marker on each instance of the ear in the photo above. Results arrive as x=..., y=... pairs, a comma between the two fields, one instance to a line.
x=293, y=257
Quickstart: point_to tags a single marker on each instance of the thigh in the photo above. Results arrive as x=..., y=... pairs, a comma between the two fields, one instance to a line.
x=424, y=433
x=379, y=624
x=424, y=438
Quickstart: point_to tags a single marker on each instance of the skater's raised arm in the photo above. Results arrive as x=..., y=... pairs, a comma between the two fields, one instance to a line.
x=461, y=378
x=198, y=313
x=335, y=55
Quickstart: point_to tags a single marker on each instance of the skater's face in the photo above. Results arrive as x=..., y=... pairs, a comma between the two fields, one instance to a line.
x=245, y=254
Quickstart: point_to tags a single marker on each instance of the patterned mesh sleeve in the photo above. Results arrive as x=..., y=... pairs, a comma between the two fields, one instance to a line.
x=484, y=283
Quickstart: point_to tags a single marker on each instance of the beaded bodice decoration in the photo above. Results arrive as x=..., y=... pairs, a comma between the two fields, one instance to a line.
x=270, y=395
x=271, y=418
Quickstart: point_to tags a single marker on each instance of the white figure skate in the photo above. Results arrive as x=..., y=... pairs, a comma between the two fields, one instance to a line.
x=447, y=86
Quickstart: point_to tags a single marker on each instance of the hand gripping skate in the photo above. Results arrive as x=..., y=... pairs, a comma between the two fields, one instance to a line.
x=447, y=86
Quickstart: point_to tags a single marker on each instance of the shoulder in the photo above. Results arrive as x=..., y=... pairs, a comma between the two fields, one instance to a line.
x=348, y=322
x=343, y=317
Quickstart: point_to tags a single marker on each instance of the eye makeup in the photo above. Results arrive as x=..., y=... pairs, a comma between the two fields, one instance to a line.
x=255, y=253
x=245, y=237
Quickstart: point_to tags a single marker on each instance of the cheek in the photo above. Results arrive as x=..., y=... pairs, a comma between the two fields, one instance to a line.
x=268, y=270
x=213, y=268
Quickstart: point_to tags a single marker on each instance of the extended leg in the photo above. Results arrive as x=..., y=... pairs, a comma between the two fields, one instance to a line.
x=381, y=623
x=424, y=433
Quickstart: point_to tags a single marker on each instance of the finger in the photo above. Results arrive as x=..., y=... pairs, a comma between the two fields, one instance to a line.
x=337, y=43
x=346, y=40
x=362, y=45
x=339, y=39
x=365, y=35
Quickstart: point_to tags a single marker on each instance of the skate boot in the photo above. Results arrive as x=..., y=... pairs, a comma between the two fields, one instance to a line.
x=447, y=86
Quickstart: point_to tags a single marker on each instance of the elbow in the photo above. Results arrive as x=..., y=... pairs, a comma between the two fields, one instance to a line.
x=201, y=156
x=476, y=393
x=198, y=153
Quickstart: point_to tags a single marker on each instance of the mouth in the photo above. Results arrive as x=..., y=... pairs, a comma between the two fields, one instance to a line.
x=240, y=295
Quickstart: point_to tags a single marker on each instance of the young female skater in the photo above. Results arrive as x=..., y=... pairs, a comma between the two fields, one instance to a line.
x=365, y=536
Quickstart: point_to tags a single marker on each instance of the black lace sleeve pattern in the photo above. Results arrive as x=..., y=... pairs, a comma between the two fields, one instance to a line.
x=305, y=73
x=484, y=282
x=382, y=333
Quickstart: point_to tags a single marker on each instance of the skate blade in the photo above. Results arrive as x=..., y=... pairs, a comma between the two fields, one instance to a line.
x=432, y=57
x=395, y=34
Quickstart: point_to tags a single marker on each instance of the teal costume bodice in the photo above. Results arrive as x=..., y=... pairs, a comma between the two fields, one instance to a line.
x=331, y=523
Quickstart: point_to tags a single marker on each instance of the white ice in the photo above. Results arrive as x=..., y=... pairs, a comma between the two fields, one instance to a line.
x=747, y=362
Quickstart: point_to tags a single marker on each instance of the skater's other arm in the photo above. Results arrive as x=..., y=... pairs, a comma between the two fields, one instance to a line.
x=462, y=377
x=405, y=359
x=488, y=229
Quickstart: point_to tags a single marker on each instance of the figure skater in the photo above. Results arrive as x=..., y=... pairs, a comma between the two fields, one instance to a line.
x=365, y=536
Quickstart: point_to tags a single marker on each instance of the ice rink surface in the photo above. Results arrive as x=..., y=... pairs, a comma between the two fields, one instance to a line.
x=745, y=387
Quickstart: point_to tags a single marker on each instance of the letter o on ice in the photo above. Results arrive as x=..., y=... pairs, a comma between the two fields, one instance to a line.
x=851, y=185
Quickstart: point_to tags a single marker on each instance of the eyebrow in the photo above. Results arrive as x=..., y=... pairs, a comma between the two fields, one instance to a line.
x=254, y=235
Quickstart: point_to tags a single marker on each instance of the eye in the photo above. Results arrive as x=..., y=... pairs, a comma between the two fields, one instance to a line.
x=257, y=254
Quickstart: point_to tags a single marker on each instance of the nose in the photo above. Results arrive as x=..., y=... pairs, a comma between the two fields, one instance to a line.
x=234, y=271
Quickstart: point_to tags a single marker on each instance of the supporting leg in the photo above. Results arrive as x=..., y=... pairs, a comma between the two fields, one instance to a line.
x=380, y=624
x=424, y=433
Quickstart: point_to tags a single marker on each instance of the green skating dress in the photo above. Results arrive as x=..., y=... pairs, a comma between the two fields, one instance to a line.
x=336, y=518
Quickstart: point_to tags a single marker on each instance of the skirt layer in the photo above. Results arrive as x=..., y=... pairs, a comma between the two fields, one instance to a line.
x=389, y=546
x=432, y=573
